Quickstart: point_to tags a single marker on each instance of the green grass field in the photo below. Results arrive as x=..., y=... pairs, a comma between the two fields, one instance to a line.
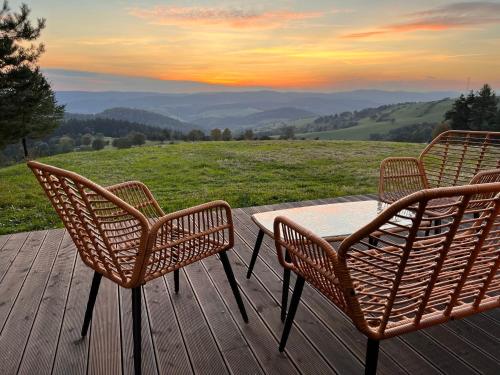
x=396, y=116
x=185, y=174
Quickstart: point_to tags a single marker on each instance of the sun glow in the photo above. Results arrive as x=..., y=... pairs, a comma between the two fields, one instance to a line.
x=299, y=45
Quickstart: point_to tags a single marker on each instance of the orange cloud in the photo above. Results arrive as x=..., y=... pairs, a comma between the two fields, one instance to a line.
x=452, y=16
x=192, y=16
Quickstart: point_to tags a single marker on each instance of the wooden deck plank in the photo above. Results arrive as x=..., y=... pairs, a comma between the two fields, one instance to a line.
x=201, y=346
x=484, y=342
x=72, y=349
x=3, y=240
x=463, y=350
x=105, y=354
x=200, y=330
x=170, y=351
x=263, y=343
x=232, y=344
x=484, y=322
x=27, y=249
x=10, y=249
x=18, y=325
x=42, y=343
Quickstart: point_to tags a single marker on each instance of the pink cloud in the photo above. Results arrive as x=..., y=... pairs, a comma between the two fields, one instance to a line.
x=189, y=16
x=452, y=16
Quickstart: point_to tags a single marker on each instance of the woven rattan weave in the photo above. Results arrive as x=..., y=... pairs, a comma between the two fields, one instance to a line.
x=451, y=159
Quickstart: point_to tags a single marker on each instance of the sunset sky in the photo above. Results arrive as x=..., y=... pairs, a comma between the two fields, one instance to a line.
x=319, y=45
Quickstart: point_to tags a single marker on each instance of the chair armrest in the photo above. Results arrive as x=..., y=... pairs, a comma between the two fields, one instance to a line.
x=400, y=177
x=183, y=237
x=312, y=258
x=139, y=196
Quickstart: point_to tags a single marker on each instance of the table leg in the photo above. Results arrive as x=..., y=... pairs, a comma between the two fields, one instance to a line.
x=255, y=253
x=286, y=284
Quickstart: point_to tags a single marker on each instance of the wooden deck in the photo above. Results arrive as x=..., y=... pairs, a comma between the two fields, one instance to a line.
x=44, y=288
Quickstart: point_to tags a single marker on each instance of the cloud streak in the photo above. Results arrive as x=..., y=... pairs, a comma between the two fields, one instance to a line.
x=234, y=18
x=452, y=16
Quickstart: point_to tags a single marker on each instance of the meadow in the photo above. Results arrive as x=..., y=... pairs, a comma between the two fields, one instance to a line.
x=244, y=173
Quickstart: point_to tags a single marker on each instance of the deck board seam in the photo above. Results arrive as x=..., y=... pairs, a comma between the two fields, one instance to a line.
x=75, y=258
x=148, y=319
x=179, y=326
x=41, y=298
x=15, y=256
x=24, y=280
x=233, y=317
x=195, y=294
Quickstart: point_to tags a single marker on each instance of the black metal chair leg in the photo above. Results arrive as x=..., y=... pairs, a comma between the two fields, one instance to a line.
x=371, y=357
x=96, y=281
x=234, y=285
x=255, y=253
x=286, y=286
x=373, y=241
x=136, y=327
x=437, y=222
x=176, y=281
x=297, y=292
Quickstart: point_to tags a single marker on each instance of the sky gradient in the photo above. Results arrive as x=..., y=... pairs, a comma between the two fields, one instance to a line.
x=321, y=45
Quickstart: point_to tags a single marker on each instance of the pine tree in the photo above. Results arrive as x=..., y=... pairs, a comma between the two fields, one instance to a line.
x=459, y=115
x=27, y=103
x=484, y=109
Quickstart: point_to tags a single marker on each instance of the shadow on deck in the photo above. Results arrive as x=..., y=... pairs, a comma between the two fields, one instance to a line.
x=44, y=288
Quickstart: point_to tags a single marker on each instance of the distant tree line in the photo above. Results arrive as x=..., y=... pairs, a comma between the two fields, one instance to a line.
x=476, y=111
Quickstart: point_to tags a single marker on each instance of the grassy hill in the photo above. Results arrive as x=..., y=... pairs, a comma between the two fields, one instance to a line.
x=389, y=118
x=184, y=174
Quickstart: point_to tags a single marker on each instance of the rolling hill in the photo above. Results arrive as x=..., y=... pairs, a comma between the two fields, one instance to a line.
x=384, y=119
x=235, y=110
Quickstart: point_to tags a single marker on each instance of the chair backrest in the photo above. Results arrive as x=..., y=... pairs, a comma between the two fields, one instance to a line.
x=455, y=157
x=311, y=257
x=110, y=234
x=416, y=277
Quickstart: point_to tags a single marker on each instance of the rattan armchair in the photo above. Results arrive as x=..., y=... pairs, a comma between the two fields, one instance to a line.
x=122, y=234
x=409, y=280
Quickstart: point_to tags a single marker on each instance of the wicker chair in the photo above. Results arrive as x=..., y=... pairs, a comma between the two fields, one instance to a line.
x=409, y=280
x=451, y=159
x=122, y=234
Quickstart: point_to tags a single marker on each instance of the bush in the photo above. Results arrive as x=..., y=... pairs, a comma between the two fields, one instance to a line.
x=86, y=139
x=136, y=138
x=98, y=143
x=66, y=144
x=123, y=142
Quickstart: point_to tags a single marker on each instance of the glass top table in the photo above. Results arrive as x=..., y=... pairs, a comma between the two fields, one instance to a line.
x=333, y=222
x=330, y=221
